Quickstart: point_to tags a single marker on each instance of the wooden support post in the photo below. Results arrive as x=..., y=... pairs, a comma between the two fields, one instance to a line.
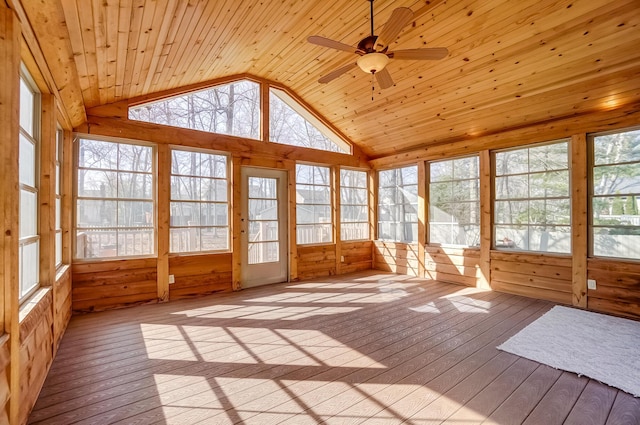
x=579, y=219
x=163, y=219
x=422, y=216
x=264, y=112
x=483, y=275
x=373, y=213
x=335, y=205
x=47, y=191
x=293, y=240
x=236, y=223
x=9, y=201
x=67, y=167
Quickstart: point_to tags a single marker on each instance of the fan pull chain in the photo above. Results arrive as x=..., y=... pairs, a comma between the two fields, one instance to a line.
x=373, y=86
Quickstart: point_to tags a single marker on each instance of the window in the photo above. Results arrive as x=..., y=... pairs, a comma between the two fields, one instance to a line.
x=398, y=204
x=354, y=205
x=615, y=201
x=532, y=199
x=313, y=204
x=58, y=223
x=29, y=242
x=115, y=204
x=291, y=124
x=454, y=202
x=232, y=108
x=199, y=202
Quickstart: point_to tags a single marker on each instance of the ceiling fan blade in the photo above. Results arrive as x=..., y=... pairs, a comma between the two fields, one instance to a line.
x=332, y=44
x=336, y=73
x=398, y=20
x=420, y=54
x=384, y=78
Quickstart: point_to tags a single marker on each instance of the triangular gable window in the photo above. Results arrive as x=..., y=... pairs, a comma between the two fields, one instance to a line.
x=292, y=124
x=232, y=109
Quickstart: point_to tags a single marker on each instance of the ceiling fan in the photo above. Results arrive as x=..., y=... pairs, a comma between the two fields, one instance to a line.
x=373, y=49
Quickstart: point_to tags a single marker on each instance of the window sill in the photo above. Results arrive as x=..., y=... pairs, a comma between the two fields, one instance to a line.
x=32, y=303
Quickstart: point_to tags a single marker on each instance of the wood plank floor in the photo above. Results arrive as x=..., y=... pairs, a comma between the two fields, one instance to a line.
x=371, y=347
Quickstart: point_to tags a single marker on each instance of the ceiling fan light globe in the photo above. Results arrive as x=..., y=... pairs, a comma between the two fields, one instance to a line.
x=373, y=62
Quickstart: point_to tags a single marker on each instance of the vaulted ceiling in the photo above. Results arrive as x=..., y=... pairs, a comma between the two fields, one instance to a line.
x=510, y=63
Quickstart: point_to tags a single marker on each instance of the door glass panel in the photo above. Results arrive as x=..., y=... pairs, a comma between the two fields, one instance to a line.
x=264, y=246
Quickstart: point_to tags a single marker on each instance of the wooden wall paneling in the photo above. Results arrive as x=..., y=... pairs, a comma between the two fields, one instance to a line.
x=36, y=350
x=453, y=265
x=335, y=206
x=316, y=261
x=10, y=33
x=113, y=284
x=423, y=215
x=396, y=257
x=543, y=276
x=197, y=275
x=163, y=194
x=579, y=219
x=617, y=286
x=236, y=221
x=61, y=305
x=486, y=221
x=5, y=390
x=357, y=256
x=46, y=190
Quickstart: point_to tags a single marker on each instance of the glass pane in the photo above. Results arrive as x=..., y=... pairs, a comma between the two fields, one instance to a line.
x=263, y=209
x=619, y=147
x=409, y=175
x=134, y=158
x=226, y=109
x=354, y=213
x=184, y=163
x=466, y=168
x=466, y=190
x=291, y=124
x=616, y=179
x=264, y=252
x=97, y=184
x=549, y=157
x=214, y=214
x=135, y=242
x=96, y=213
x=321, y=214
x=58, y=248
x=135, y=214
x=616, y=242
x=512, y=212
x=185, y=188
x=262, y=187
x=98, y=154
x=213, y=166
x=616, y=211
x=512, y=187
x=214, y=238
x=185, y=213
x=214, y=190
x=353, y=178
x=549, y=185
x=135, y=186
x=27, y=162
x=28, y=214
x=96, y=243
x=512, y=237
x=454, y=234
x=512, y=162
x=441, y=171
x=27, y=100
x=58, y=213
x=184, y=239
x=29, y=267
x=353, y=196
x=441, y=192
x=313, y=233
x=263, y=231
x=550, y=239
x=58, y=178
x=354, y=231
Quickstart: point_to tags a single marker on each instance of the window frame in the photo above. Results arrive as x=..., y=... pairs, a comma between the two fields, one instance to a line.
x=591, y=166
x=453, y=180
x=35, y=140
x=366, y=205
x=415, y=238
x=494, y=176
x=228, y=202
x=58, y=160
x=330, y=205
x=154, y=190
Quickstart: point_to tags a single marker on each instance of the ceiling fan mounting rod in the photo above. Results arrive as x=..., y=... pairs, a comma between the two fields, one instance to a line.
x=371, y=8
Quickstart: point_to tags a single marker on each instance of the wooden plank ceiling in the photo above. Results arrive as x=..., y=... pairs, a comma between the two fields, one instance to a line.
x=511, y=63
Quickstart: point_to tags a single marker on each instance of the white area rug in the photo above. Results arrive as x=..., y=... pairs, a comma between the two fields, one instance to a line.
x=601, y=347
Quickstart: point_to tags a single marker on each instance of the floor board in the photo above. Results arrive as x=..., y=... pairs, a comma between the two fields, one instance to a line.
x=369, y=347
